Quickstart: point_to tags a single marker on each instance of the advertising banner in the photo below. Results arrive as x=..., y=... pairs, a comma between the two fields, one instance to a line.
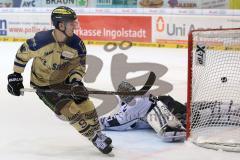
x=6, y=3
x=23, y=25
x=27, y=3
x=154, y=31
x=175, y=28
x=183, y=4
x=3, y=27
x=219, y=4
x=190, y=4
x=115, y=28
x=234, y=4
x=69, y=3
x=116, y=3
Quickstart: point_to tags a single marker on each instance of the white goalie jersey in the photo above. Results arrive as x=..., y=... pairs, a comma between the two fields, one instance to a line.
x=145, y=112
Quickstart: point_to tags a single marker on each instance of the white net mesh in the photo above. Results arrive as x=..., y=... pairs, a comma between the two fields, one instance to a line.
x=215, y=96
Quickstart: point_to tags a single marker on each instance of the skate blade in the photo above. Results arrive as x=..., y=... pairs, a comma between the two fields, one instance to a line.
x=110, y=154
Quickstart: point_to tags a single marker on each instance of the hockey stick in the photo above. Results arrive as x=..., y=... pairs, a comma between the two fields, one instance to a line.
x=149, y=83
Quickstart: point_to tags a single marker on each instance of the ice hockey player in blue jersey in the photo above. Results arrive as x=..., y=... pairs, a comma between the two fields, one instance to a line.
x=59, y=58
x=163, y=114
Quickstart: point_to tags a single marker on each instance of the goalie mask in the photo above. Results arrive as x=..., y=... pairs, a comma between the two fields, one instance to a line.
x=126, y=87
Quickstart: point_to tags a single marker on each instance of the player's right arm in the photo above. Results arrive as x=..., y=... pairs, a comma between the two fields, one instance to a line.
x=24, y=54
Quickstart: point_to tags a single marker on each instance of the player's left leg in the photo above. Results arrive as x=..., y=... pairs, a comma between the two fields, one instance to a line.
x=83, y=117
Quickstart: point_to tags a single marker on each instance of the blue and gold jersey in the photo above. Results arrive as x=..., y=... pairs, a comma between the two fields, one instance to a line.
x=53, y=62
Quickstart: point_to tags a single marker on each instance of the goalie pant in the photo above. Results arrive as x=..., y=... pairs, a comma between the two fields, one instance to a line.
x=148, y=112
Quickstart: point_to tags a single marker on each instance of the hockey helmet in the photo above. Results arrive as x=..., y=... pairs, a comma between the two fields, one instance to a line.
x=62, y=14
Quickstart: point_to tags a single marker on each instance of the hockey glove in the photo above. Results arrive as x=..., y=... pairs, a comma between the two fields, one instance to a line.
x=15, y=83
x=79, y=91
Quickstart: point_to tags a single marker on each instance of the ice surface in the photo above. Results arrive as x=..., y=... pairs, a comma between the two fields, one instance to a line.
x=30, y=131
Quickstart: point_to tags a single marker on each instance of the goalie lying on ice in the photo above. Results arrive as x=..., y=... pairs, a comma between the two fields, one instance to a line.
x=162, y=113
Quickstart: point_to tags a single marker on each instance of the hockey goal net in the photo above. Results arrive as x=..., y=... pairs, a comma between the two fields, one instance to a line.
x=213, y=116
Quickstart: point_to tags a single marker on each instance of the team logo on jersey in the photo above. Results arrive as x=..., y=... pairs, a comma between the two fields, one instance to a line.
x=23, y=48
x=67, y=55
x=56, y=66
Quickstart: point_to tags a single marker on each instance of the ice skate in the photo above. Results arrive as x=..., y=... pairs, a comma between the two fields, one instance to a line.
x=103, y=143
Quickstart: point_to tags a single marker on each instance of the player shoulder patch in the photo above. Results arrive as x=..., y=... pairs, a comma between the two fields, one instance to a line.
x=40, y=40
x=77, y=44
x=32, y=44
x=24, y=47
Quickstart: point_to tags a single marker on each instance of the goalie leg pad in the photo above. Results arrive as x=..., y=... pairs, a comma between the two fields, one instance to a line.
x=174, y=135
x=177, y=109
x=165, y=123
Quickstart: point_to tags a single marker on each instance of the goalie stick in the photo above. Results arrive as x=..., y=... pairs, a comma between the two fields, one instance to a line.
x=149, y=83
